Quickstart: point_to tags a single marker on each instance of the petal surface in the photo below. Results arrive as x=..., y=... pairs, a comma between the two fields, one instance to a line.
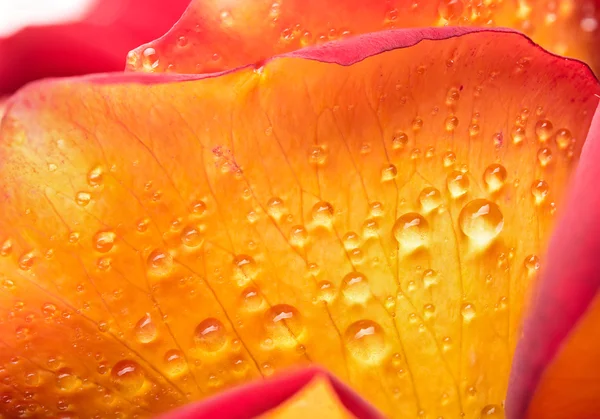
x=215, y=35
x=95, y=44
x=556, y=370
x=378, y=206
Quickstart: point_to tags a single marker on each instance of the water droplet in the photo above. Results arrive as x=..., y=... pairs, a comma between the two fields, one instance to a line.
x=417, y=124
x=451, y=123
x=430, y=278
x=283, y=324
x=589, y=24
x=95, y=176
x=474, y=130
x=481, y=220
x=492, y=411
x=351, y=240
x=275, y=208
x=66, y=380
x=457, y=183
x=104, y=241
x=252, y=299
x=448, y=159
x=467, y=311
x=6, y=247
x=543, y=130
x=145, y=329
x=518, y=135
x=199, y=207
x=160, y=262
x=450, y=9
x=452, y=96
x=389, y=172
x=210, y=335
x=191, y=236
x=399, y=141
x=446, y=344
x=430, y=198
x=182, y=41
x=429, y=310
x=326, y=291
x=495, y=177
x=322, y=213
x=532, y=263
x=175, y=363
x=355, y=287
x=544, y=156
x=82, y=198
x=317, y=155
x=150, y=60
x=540, y=190
x=26, y=261
x=365, y=340
x=411, y=231
x=103, y=263
x=128, y=376
x=563, y=138
x=298, y=236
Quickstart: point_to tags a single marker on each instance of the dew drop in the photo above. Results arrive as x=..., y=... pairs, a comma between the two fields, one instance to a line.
x=448, y=159
x=355, y=287
x=468, y=312
x=589, y=24
x=150, y=60
x=417, y=124
x=6, y=247
x=495, y=176
x=26, y=261
x=492, y=411
x=182, y=41
x=399, y=141
x=66, y=380
x=430, y=199
x=283, y=324
x=317, y=155
x=429, y=310
x=451, y=123
x=388, y=173
x=518, y=135
x=275, y=208
x=544, y=156
x=145, y=329
x=160, y=262
x=251, y=299
x=326, y=291
x=457, y=183
x=474, y=130
x=104, y=241
x=322, y=213
x=532, y=263
x=365, y=341
x=210, y=335
x=95, y=176
x=543, y=130
x=175, y=363
x=351, y=241
x=450, y=9
x=199, y=207
x=411, y=231
x=563, y=138
x=298, y=236
x=430, y=278
x=191, y=236
x=82, y=198
x=128, y=376
x=481, y=220
x=540, y=190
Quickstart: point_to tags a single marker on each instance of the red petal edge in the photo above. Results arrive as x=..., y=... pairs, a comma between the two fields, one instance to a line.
x=569, y=282
x=258, y=397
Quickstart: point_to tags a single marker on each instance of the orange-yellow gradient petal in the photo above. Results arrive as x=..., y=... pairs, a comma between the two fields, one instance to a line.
x=214, y=35
x=164, y=238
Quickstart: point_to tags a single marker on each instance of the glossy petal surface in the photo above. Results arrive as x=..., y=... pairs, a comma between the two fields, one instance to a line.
x=97, y=43
x=215, y=35
x=377, y=206
x=557, y=367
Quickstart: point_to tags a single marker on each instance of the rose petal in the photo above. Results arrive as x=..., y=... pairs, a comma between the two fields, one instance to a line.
x=216, y=35
x=98, y=43
x=558, y=355
x=169, y=237
x=307, y=388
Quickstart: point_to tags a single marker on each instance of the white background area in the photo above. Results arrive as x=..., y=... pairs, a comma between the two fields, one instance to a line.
x=16, y=14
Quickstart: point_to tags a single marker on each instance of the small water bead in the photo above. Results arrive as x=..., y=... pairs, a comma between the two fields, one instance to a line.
x=458, y=183
x=83, y=198
x=6, y=247
x=198, y=207
x=495, y=176
x=322, y=213
x=26, y=261
x=492, y=411
x=326, y=291
x=411, y=231
x=104, y=241
x=540, y=190
x=429, y=310
x=370, y=228
x=430, y=199
x=145, y=329
x=376, y=209
x=95, y=176
x=588, y=24
x=284, y=324
x=448, y=159
x=563, y=138
x=474, y=130
x=150, y=59
x=451, y=123
x=467, y=311
x=160, y=262
x=451, y=9
x=191, y=236
x=245, y=268
x=317, y=155
x=543, y=130
x=49, y=309
x=66, y=380
x=532, y=263
x=182, y=41
x=399, y=141
x=544, y=156
x=452, y=96
x=389, y=172
x=252, y=299
x=355, y=287
x=481, y=220
x=365, y=340
x=128, y=376
x=351, y=240
x=210, y=335
x=417, y=124
x=103, y=263
x=298, y=236
x=518, y=135
x=430, y=278
x=175, y=363
x=275, y=208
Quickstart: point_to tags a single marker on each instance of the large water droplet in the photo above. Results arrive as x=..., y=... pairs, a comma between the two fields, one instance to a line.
x=495, y=177
x=284, y=324
x=128, y=376
x=210, y=335
x=481, y=220
x=563, y=138
x=145, y=329
x=355, y=287
x=458, y=183
x=322, y=213
x=104, y=241
x=191, y=236
x=411, y=231
x=365, y=340
x=543, y=130
x=430, y=198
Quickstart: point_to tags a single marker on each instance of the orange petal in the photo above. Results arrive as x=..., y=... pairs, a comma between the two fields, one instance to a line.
x=168, y=237
x=215, y=35
x=557, y=366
